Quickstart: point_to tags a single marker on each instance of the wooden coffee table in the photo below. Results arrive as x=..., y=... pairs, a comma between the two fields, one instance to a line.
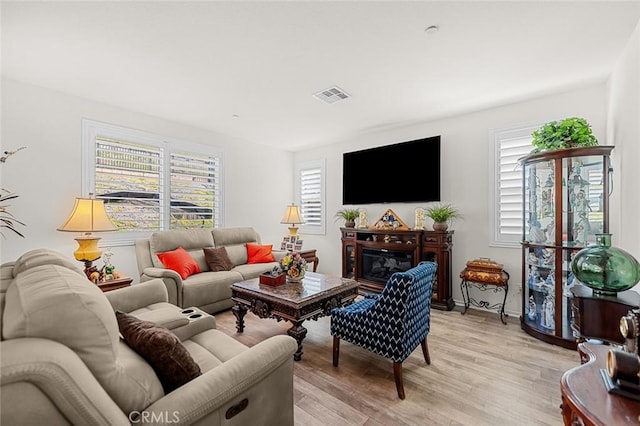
x=312, y=298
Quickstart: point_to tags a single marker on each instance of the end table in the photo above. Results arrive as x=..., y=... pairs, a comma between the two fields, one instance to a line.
x=110, y=285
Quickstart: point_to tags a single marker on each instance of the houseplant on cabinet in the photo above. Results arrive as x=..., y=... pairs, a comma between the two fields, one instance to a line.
x=349, y=216
x=442, y=214
x=570, y=132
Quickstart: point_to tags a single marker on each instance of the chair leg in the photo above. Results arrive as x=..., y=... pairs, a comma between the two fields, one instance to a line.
x=425, y=351
x=336, y=350
x=397, y=374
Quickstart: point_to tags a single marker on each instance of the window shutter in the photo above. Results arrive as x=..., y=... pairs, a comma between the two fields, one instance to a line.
x=129, y=177
x=506, y=201
x=311, y=196
x=195, y=190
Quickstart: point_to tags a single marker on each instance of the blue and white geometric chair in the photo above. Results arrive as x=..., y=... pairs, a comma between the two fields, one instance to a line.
x=392, y=323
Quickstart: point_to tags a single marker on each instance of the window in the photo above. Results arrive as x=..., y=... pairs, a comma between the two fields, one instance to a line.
x=150, y=183
x=506, y=203
x=310, y=190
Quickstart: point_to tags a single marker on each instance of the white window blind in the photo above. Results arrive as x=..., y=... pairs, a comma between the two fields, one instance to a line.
x=310, y=193
x=150, y=183
x=509, y=146
x=194, y=185
x=129, y=177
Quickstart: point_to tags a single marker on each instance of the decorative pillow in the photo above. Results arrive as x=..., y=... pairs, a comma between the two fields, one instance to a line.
x=180, y=261
x=257, y=253
x=161, y=348
x=217, y=259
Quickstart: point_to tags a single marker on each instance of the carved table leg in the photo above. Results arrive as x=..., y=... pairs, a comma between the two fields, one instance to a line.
x=239, y=310
x=298, y=332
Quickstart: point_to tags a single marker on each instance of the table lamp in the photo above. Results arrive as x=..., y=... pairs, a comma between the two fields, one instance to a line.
x=88, y=216
x=292, y=217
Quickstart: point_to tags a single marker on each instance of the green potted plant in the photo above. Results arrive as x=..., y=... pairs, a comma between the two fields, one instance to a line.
x=349, y=216
x=568, y=133
x=442, y=214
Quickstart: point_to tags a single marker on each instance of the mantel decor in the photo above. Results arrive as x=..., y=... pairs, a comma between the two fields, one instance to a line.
x=390, y=220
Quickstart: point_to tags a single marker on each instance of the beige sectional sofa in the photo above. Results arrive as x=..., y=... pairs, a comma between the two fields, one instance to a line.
x=209, y=291
x=63, y=361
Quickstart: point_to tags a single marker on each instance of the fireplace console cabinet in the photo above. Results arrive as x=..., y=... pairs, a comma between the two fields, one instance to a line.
x=370, y=256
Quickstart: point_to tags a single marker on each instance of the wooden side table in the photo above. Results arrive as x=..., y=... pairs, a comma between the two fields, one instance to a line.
x=585, y=400
x=115, y=284
x=310, y=256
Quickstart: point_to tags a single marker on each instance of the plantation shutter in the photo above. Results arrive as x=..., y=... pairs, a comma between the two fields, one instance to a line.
x=311, y=197
x=129, y=177
x=509, y=196
x=195, y=189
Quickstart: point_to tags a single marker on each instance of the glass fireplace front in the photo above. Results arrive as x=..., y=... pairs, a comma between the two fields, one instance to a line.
x=379, y=264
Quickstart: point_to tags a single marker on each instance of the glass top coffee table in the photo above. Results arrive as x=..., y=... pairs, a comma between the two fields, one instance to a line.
x=312, y=298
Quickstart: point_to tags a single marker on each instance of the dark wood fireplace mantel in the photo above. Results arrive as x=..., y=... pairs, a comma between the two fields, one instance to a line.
x=423, y=245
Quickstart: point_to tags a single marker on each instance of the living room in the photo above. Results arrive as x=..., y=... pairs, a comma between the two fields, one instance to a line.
x=44, y=113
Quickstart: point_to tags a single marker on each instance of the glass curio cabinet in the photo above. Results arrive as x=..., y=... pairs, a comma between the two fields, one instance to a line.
x=566, y=204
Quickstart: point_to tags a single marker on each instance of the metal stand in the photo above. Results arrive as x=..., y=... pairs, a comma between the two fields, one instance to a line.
x=464, y=288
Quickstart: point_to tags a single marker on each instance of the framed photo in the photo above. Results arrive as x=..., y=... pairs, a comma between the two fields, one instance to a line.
x=293, y=239
x=285, y=239
x=283, y=246
x=289, y=246
x=298, y=247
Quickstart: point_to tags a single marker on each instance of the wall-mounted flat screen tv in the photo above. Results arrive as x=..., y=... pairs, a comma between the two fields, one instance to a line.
x=407, y=172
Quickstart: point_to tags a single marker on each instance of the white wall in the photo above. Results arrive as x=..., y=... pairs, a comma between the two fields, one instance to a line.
x=466, y=174
x=257, y=180
x=623, y=131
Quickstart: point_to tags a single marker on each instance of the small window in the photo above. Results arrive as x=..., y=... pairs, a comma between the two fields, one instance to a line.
x=310, y=190
x=150, y=183
x=506, y=203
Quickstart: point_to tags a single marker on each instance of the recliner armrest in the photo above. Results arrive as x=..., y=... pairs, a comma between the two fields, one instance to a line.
x=52, y=371
x=232, y=381
x=138, y=296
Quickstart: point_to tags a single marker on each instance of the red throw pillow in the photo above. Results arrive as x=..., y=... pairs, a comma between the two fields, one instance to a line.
x=257, y=253
x=180, y=261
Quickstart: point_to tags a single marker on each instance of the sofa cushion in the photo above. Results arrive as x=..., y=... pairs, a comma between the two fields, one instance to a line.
x=209, y=287
x=161, y=348
x=257, y=253
x=217, y=259
x=192, y=240
x=56, y=303
x=180, y=261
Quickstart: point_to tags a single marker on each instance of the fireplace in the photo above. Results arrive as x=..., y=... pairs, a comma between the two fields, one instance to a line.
x=379, y=264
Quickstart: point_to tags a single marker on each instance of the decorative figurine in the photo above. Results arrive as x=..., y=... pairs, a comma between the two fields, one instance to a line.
x=548, y=313
x=532, y=309
x=362, y=219
x=419, y=218
x=536, y=235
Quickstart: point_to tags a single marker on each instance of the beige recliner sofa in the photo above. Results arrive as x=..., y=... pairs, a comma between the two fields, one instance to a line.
x=209, y=291
x=63, y=361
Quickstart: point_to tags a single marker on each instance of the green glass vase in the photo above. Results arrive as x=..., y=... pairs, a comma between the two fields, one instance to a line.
x=605, y=269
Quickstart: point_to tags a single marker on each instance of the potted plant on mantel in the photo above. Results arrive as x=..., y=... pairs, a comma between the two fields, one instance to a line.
x=442, y=214
x=571, y=132
x=349, y=216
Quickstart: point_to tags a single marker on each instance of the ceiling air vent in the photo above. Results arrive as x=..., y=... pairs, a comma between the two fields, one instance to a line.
x=331, y=95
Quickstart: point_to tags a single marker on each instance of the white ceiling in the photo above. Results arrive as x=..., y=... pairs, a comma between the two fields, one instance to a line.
x=249, y=69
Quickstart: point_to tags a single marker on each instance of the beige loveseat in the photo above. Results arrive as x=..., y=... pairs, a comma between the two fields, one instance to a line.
x=63, y=361
x=210, y=291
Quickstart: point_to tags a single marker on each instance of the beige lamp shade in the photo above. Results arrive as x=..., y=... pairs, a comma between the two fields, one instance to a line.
x=292, y=217
x=88, y=216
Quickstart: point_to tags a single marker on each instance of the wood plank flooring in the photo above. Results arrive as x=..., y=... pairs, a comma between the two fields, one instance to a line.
x=482, y=372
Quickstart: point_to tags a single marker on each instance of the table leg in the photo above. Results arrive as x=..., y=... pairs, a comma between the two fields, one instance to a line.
x=298, y=332
x=465, y=297
x=239, y=310
x=502, y=312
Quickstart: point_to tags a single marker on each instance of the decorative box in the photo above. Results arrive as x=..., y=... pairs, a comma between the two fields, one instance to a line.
x=486, y=271
x=268, y=279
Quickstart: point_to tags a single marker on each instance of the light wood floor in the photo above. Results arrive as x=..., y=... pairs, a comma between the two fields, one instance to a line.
x=482, y=373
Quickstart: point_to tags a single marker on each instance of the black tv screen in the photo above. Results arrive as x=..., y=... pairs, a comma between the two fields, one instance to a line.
x=404, y=172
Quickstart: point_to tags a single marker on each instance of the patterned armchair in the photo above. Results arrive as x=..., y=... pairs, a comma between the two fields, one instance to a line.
x=392, y=323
